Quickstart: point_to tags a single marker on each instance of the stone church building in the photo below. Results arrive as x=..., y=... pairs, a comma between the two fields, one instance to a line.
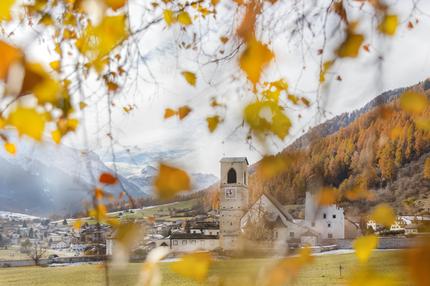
x=236, y=214
x=320, y=223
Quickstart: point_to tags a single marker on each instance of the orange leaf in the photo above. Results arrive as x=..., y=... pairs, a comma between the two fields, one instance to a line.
x=183, y=111
x=168, y=112
x=10, y=55
x=108, y=179
x=98, y=193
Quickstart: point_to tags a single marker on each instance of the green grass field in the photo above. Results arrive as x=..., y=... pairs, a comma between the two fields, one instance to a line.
x=324, y=271
x=158, y=211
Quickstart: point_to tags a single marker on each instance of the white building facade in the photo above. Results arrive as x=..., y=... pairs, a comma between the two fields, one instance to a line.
x=328, y=221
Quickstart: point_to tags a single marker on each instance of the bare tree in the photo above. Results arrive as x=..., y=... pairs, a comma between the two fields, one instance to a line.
x=36, y=253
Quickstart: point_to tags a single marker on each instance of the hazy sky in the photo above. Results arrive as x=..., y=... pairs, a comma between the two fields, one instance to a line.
x=406, y=62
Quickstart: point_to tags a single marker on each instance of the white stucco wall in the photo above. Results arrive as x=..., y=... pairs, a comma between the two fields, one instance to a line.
x=326, y=220
x=186, y=245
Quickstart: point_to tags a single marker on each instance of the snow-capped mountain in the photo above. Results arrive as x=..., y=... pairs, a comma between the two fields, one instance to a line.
x=44, y=178
x=146, y=177
x=17, y=216
x=139, y=167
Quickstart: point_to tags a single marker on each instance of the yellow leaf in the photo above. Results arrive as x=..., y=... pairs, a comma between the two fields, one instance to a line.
x=56, y=136
x=82, y=105
x=38, y=81
x=168, y=112
x=271, y=166
x=111, y=32
x=359, y=193
x=55, y=65
x=190, y=77
x=97, y=42
x=5, y=7
x=168, y=17
x=326, y=67
x=116, y=4
x=28, y=122
x=423, y=123
x=370, y=277
x=113, y=222
x=184, y=18
x=389, y=24
x=72, y=124
x=327, y=196
x=9, y=56
x=351, y=46
x=170, y=181
x=267, y=116
x=101, y=212
x=68, y=34
x=383, y=214
x=212, y=122
x=364, y=246
x=413, y=102
x=287, y=269
x=193, y=265
x=254, y=59
x=77, y=224
x=183, y=111
x=10, y=148
x=46, y=20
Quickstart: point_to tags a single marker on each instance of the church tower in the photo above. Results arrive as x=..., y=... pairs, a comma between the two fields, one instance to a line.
x=233, y=199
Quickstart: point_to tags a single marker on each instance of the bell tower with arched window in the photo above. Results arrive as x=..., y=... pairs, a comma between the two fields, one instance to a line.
x=233, y=199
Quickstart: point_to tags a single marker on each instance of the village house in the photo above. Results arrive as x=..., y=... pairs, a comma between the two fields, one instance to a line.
x=411, y=229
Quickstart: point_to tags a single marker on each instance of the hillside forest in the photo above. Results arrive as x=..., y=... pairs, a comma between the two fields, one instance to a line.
x=382, y=155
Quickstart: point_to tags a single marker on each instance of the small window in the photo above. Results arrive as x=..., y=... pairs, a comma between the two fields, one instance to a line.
x=276, y=234
x=329, y=225
x=313, y=223
x=324, y=215
x=244, y=178
x=291, y=234
x=175, y=242
x=330, y=235
x=184, y=242
x=231, y=223
x=210, y=232
x=334, y=216
x=231, y=176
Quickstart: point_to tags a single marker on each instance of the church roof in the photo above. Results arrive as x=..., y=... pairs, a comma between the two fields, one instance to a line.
x=234, y=160
x=279, y=206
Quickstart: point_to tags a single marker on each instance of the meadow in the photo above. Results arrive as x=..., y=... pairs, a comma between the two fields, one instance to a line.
x=323, y=271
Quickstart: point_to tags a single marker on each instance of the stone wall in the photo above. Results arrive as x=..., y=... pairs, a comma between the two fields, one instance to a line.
x=44, y=262
x=384, y=243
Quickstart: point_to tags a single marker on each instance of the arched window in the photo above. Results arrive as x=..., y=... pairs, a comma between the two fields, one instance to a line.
x=231, y=176
x=244, y=178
